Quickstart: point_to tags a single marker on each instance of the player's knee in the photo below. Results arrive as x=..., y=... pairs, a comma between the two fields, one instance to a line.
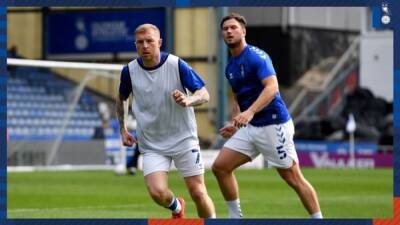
x=293, y=180
x=214, y=169
x=288, y=177
x=158, y=194
x=198, y=194
x=219, y=169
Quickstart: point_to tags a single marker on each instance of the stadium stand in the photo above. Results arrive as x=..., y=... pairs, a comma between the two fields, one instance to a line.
x=374, y=117
x=37, y=101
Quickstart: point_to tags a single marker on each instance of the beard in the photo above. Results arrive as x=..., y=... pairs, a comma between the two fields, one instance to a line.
x=233, y=44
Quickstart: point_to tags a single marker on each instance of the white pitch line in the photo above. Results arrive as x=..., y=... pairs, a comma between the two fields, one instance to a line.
x=73, y=208
x=82, y=208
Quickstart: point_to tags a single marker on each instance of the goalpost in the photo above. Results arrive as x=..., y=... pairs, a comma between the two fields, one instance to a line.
x=92, y=71
x=55, y=157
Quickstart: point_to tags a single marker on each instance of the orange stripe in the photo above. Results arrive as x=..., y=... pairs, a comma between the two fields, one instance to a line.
x=396, y=215
x=175, y=222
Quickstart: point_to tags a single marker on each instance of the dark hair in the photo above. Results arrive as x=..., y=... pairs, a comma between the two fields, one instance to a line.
x=235, y=16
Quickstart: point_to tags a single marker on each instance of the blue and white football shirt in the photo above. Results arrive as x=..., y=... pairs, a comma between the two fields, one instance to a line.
x=245, y=73
x=189, y=78
x=163, y=126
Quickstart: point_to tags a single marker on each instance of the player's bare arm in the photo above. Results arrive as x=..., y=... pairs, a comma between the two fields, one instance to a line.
x=235, y=107
x=267, y=95
x=127, y=138
x=229, y=129
x=199, y=97
x=120, y=112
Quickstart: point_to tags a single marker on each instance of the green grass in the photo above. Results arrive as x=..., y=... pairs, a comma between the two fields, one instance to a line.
x=343, y=193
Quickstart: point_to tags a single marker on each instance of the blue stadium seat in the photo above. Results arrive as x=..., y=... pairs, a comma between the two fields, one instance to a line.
x=37, y=103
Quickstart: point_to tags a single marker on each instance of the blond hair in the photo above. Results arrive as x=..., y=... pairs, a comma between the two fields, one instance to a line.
x=145, y=27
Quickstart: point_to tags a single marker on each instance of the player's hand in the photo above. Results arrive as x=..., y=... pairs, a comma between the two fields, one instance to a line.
x=180, y=98
x=243, y=118
x=127, y=139
x=228, y=131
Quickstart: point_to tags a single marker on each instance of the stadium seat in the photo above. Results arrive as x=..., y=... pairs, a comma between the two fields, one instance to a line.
x=37, y=102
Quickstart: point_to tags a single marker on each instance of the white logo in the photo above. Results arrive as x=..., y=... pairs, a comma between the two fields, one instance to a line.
x=386, y=13
x=81, y=42
x=324, y=161
x=385, y=8
x=385, y=19
x=80, y=25
x=230, y=76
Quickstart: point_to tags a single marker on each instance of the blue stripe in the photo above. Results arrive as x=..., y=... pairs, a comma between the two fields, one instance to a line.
x=3, y=123
x=396, y=188
x=3, y=46
x=182, y=3
x=397, y=47
x=3, y=153
x=90, y=3
x=396, y=138
x=3, y=69
x=284, y=3
x=193, y=3
x=376, y=17
x=396, y=97
x=3, y=192
x=76, y=221
x=198, y=158
x=3, y=207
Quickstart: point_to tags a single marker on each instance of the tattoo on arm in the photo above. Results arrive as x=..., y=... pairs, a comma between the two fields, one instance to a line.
x=120, y=112
x=199, y=97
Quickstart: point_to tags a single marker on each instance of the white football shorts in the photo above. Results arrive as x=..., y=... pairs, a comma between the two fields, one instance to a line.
x=189, y=163
x=274, y=142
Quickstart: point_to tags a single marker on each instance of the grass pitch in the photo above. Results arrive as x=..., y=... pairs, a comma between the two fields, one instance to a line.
x=343, y=193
